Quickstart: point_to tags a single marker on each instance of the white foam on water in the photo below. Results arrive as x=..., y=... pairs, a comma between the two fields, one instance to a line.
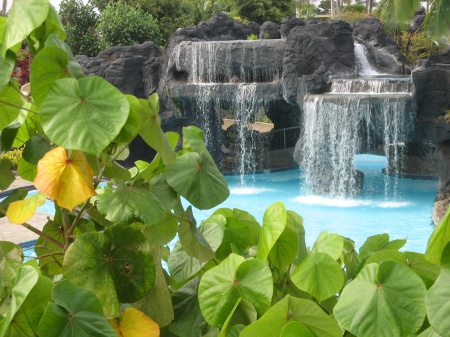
x=249, y=190
x=393, y=204
x=331, y=202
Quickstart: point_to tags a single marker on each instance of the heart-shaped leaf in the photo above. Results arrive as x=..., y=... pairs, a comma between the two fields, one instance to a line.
x=123, y=203
x=285, y=250
x=329, y=243
x=11, y=259
x=15, y=195
x=35, y=149
x=274, y=222
x=10, y=104
x=437, y=302
x=84, y=115
x=76, y=312
x=319, y=275
x=380, y=293
x=65, y=178
x=235, y=277
x=196, y=177
x=116, y=266
x=49, y=65
x=309, y=319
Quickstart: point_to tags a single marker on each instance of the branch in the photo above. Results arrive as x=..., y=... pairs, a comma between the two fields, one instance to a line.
x=43, y=235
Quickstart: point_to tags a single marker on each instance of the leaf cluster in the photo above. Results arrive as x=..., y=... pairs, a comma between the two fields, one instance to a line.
x=99, y=267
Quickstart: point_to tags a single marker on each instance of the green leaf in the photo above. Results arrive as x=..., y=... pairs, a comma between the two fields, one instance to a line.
x=188, y=316
x=437, y=302
x=297, y=222
x=7, y=136
x=193, y=241
x=390, y=293
x=76, y=312
x=309, y=319
x=131, y=128
x=122, y=203
x=331, y=244
x=35, y=149
x=10, y=104
x=54, y=255
x=116, y=266
x=74, y=68
x=197, y=178
x=164, y=192
x=236, y=236
x=47, y=67
x=150, y=127
x=319, y=275
x=84, y=115
x=26, y=170
x=24, y=17
x=157, y=304
x=274, y=222
x=377, y=243
x=438, y=239
x=384, y=255
x=429, y=333
x=183, y=266
x=285, y=250
x=7, y=64
x=6, y=176
x=29, y=122
x=10, y=261
x=193, y=139
x=350, y=258
x=234, y=277
x=30, y=295
x=162, y=232
x=427, y=271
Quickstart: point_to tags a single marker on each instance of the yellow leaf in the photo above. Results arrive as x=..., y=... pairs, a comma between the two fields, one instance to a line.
x=23, y=210
x=65, y=179
x=135, y=323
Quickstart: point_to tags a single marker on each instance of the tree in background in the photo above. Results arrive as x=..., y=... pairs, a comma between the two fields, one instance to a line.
x=79, y=22
x=261, y=11
x=123, y=24
x=397, y=15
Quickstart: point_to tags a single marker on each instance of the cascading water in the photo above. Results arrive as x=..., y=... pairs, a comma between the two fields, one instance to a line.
x=225, y=78
x=364, y=115
x=362, y=62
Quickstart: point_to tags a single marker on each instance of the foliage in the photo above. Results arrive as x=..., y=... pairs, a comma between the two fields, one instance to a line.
x=415, y=46
x=122, y=24
x=253, y=37
x=79, y=20
x=21, y=73
x=307, y=10
x=99, y=267
x=262, y=11
x=350, y=16
x=13, y=155
x=396, y=16
x=355, y=8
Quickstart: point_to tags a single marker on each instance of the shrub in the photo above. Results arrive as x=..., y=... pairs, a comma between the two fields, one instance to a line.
x=21, y=73
x=14, y=156
x=351, y=16
x=252, y=37
x=415, y=46
x=122, y=24
x=355, y=8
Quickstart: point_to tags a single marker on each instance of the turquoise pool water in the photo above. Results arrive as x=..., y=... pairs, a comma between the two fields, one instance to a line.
x=402, y=208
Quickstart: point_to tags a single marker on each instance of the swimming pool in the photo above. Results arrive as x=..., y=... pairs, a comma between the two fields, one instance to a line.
x=402, y=208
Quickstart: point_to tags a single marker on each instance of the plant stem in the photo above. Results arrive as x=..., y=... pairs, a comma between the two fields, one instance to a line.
x=43, y=235
x=66, y=226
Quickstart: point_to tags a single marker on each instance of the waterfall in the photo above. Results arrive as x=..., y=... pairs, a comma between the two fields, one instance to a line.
x=386, y=85
x=362, y=62
x=337, y=127
x=225, y=76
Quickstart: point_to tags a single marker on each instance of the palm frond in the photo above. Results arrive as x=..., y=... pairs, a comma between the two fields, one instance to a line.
x=397, y=14
x=437, y=22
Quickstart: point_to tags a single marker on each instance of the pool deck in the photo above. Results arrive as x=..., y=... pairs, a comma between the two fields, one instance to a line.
x=18, y=233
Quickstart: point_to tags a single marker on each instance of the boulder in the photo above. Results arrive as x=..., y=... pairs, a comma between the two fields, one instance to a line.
x=288, y=23
x=269, y=30
x=315, y=53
